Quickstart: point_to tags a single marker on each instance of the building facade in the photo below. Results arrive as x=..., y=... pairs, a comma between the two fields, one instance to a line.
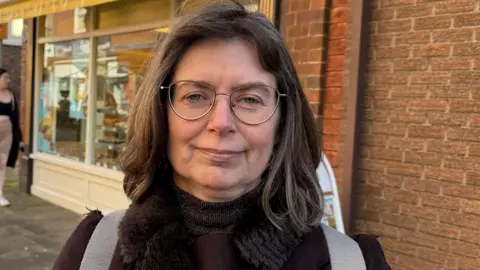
x=394, y=86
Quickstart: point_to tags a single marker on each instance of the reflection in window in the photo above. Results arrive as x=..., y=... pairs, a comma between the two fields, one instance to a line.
x=68, y=23
x=121, y=65
x=62, y=122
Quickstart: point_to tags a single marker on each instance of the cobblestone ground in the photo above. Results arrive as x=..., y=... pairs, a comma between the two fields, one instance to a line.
x=32, y=231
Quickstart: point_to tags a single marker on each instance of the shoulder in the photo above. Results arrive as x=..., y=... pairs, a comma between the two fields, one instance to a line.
x=72, y=252
x=372, y=251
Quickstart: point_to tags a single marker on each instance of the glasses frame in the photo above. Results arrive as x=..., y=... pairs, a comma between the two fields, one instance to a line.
x=279, y=95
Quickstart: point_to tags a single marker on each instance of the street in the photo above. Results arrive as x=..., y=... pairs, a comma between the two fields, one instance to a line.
x=32, y=231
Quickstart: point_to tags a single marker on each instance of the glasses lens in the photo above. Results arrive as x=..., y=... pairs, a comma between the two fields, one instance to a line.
x=191, y=100
x=254, y=105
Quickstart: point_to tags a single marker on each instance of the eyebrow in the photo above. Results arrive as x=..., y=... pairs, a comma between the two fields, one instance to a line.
x=235, y=87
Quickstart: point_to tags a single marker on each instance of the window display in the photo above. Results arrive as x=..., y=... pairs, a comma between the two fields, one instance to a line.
x=62, y=129
x=121, y=65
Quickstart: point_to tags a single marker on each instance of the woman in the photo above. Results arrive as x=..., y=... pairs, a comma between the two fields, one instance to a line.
x=10, y=134
x=221, y=157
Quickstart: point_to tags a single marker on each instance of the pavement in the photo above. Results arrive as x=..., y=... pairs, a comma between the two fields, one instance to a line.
x=32, y=231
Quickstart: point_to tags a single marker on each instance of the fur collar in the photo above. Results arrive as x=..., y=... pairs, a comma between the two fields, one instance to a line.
x=152, y=236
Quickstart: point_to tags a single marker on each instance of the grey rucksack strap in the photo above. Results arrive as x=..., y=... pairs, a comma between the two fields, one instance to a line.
x=101, y=246
x=345, y=254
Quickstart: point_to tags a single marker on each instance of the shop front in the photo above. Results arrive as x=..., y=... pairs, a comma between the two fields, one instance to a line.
x=90, y=58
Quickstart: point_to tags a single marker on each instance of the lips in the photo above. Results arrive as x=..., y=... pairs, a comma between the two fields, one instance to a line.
x=219, y=156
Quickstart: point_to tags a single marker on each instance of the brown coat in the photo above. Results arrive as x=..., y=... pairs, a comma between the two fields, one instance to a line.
x=151, y=236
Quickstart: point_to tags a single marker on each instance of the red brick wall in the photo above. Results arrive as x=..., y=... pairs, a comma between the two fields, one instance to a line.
x=303, y=28
x=420, y=164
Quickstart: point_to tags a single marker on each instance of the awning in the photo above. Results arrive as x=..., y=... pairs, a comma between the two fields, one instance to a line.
x=14, y=9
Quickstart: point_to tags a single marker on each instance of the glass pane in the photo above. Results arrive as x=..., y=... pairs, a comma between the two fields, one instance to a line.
x=62, y=128
x=68, y=23
x=132, y=12
x=121, y=66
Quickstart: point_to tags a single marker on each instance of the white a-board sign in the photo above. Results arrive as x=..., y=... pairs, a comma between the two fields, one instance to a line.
x=332, y=209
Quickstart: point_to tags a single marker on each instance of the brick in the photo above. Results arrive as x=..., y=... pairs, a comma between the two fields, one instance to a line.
x=307, y=42
x=316, y=29
x=397, y=220
x=424, y=213
x=381, y=40
x=409, y=117
x=464, y=134
x=442, y=202
x=465, y=249
x=438, y=229
x=390, y=3
x=333, y=95
x=421, y=185
x=458, y=162
x=410, y=38
x=375, y=115
x=456, y=6
x=430, y=78
x=466, y=49
x=372, y=165
x=410, y=64
x=428, y=105
x=385, y=154
x=406, y=143
x=382, y=205
x=313, y=84
x=453, y=35
x=382, y=230
x=308, y=69
x=383, y=14
x=330, y=142
x=467, y=235
x=419, y=239
x=473, y=179
x=399, y=195
x=339, y=15
x=451, y=64
x=472, y=19
x=450, y=175
x=395, y=26
x=461, y=191
x=331, y=126
x=334, y=79
x=380, y=65
x=299, y=5
x=313, y=95
x=447, y=147
x=475, y=121
x=431, y=50
x=451, y=91
x=334, y=111
x=450, y=119
x=465, y=106
x=413, y=11
x=335, y=63
x=431, y=23
x=389, y=129
x=434, y=256
x=310, y=16
x=338, y=30
x=317, y=4
x=336, y=47
x=369, y=215
x=314, y=55
x=373, y=140
x=421, y=131
x=391, y=78
x=371, y=191
x=332, y=157
x=472, y=207
x=468, y=263
x=404, y=169
x=473, y=149
x=434, y=159
x=391, y=104
x=414, y=91
x=465, y=77
x=289, y=19
x=392, y=53
x=397, y=247
x=296, y=31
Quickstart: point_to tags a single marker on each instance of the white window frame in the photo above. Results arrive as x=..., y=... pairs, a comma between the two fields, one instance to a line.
x=11, y=39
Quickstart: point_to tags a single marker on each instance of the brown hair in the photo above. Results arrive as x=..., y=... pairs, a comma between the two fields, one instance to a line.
x=292, y=194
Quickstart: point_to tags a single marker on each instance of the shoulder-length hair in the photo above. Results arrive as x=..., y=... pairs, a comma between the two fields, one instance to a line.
x=292, y=195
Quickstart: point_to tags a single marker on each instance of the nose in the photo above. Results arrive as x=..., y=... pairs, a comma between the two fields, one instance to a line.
x=221, y=119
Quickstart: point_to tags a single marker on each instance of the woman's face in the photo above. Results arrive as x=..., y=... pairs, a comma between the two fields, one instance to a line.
x=4, y=81
x=217, y=157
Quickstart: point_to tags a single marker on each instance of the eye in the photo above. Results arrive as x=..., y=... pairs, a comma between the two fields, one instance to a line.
x=250, y=100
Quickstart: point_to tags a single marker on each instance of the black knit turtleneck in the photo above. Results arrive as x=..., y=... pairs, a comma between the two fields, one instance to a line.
x=202, y=218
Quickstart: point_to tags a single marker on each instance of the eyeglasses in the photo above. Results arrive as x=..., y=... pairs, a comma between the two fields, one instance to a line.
x=252, y=104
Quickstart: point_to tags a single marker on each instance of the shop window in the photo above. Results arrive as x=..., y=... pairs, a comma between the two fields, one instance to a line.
x=62, y=121
x=132, y=12
x=121, y=65
x=67, y=23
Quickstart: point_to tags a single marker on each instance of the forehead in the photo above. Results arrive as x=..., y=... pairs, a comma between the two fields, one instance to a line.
x=223, y=62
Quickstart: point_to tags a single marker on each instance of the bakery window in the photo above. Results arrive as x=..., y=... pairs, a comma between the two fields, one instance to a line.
x=63, y=89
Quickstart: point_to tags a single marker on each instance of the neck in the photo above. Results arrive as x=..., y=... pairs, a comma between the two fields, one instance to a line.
x=210, y=193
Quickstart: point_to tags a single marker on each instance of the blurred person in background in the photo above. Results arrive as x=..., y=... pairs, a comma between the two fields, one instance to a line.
x=220, y=162
x=10, y=134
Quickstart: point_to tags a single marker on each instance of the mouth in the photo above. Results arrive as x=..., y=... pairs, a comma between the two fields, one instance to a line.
x=219, y=155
